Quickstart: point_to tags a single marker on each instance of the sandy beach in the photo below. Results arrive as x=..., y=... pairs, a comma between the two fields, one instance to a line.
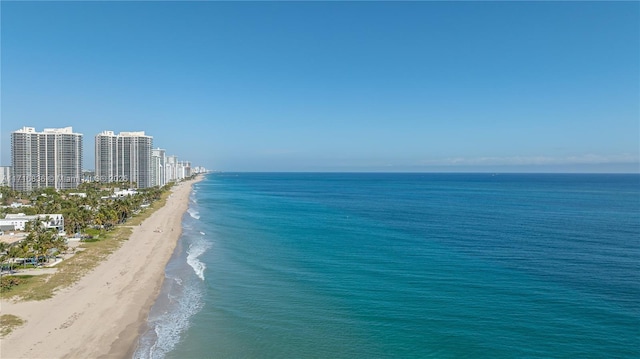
x=102, y=315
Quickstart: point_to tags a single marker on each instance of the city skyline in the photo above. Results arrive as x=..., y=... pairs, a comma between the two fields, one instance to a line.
x=89, y=157
x=336, y=86
x=53, y=157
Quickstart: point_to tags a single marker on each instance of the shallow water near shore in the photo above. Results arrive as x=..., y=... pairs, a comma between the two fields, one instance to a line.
x=182, y=293
x=403, y=265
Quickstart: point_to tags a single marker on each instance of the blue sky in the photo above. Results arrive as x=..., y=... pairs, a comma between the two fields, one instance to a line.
x=335, y=86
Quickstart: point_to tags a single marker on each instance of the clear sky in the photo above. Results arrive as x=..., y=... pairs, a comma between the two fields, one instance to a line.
x=335, y=86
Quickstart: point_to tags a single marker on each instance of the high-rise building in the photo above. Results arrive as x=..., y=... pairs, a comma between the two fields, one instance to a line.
x=171, y=166
x=198, y=169
x=158, y=159
x=5, y=176
x=124, y=157
x=184, y=169
x=106, y=156
x=52, y=158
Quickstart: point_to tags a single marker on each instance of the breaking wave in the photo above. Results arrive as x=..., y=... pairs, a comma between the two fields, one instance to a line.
x=193, y=213
x=196, y=250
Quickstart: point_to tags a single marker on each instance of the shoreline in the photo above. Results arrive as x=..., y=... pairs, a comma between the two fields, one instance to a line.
x=127, y=342
x=104, y=313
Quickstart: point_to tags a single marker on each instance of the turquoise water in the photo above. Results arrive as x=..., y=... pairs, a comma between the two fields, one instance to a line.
x=404, y=266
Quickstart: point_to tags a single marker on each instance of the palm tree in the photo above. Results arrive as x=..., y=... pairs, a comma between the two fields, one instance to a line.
x=123, y=209
x=4, y=247
x=60, y=243
x=24, y=250
x=39, y=240
x=44, y=246
x=111, y=217
x=14, y=252
x=86, y=217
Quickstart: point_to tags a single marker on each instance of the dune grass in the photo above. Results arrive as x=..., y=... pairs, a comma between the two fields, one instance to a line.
x=40, y=287
x=8, y=322
x=146, y=213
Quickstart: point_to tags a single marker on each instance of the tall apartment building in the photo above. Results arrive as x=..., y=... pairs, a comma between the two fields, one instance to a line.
x=124, y=157
x=158, y=159
x=51, y=158
x=198, y=169
x=5, y=175
x=184, y=169
x=176, y=170
x=171, y=168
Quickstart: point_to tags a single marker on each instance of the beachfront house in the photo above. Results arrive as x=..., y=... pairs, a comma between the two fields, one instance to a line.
x=124, y=193
x=18, y=222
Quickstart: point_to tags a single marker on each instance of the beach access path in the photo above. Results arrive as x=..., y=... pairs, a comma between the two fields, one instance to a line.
x=101, y=315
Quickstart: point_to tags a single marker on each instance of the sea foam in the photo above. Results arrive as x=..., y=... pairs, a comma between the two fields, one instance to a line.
x=168, y=327
x=193, y=213
x=196, y=249
x=183, y=300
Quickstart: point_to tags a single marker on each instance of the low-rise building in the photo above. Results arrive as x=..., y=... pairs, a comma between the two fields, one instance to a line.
x=124, y=193
x=18, y=222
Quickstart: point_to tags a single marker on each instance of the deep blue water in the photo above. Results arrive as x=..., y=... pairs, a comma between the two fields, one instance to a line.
x=309, y=265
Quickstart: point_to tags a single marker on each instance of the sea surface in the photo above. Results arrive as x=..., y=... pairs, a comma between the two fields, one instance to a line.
x=322, y=265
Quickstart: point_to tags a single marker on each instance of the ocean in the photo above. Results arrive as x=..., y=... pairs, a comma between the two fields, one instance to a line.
x=370, y=265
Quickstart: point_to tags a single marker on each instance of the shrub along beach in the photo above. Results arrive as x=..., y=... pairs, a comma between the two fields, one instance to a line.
x=112, y=279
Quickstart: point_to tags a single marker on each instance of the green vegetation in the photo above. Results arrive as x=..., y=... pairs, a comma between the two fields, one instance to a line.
x=139, y=218
x=8, y=323
x=17, y=285
x=8, y=282
x=97, y=218
x=71, y=270
x=42, y=287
